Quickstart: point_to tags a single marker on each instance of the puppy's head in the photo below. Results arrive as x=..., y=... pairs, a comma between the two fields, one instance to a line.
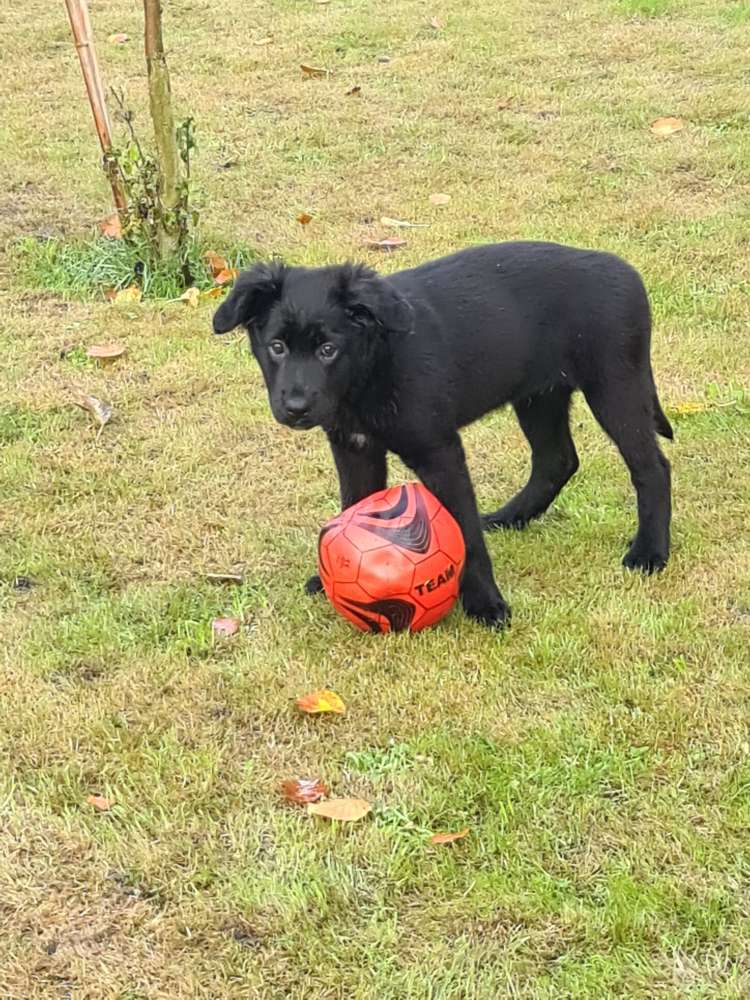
x=318, y=334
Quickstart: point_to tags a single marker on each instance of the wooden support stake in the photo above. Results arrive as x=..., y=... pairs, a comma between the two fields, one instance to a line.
x=82, y=35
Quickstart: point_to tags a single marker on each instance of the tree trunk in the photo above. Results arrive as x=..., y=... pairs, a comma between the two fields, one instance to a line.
x=160, y=100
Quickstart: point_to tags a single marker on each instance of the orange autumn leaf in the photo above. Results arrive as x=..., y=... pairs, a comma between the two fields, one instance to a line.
x=304, y=790
x=304, y=218
x=99, y=802
x=213, y=293
x=111, y=227
x=343, y=810
x=225, y=276
x=449, y=838
x=214, y=262
x=321, y=701
x=226, y=626
x=130, y=294
x=666, y=126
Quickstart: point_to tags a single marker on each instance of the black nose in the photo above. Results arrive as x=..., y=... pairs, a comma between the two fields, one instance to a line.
x=297, y=406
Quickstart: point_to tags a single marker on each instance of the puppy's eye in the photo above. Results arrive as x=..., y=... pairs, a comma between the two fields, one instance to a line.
x=358, y=315
x=277, y=348
x=327, y=352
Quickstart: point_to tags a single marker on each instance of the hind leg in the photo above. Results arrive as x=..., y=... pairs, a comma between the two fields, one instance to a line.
x=628, y=418
x=544, y=421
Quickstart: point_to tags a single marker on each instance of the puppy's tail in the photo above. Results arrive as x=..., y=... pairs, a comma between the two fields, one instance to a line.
x=663, y=426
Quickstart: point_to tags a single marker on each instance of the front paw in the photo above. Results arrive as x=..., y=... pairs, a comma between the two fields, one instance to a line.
x=645, y=560
x=487, y=607
x=314, y=585
x=504, y=519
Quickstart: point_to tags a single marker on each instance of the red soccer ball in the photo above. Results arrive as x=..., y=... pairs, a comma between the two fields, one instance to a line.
x=393, y=561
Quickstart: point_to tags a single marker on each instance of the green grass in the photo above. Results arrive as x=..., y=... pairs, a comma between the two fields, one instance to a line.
x=86, y=268
x=645, y=8
x=736, y=13
x=598, y=752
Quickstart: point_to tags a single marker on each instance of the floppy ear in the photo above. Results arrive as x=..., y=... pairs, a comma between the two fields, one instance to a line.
x=254, y=292
x=370, y=299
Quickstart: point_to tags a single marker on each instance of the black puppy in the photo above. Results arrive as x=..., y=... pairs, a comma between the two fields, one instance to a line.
x=400, y=363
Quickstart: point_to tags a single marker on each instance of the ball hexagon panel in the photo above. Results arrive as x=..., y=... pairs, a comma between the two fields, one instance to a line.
x=363, y=539
x=394, y=613
x=448, y=537
x=436, y=614
x=386, y=570
x=339, y=559
x=393, y=561
x=436, y=579
x=327, y=533
x=405, y=523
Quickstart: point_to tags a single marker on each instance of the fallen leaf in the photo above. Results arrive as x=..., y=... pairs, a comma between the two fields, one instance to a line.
x=119, y=38
x=212, y=293
x=321, y=701
x=214, y=262
x=105, y=354
x=385, y=220
x=99, y=802
x=111, y=227
x=110, y=294
x=439, y=199
x=130, y=294
x=352, y=91
x=436, y=24
x=99, y=409
x=686, y=408
x=388, y=244
x=226, y=626
x=263, y=41
x=304, y=218
x=304, y=790
x=225, y=577
x=313, y=70
x=191, y=297
x=343, y=810
x=505, y=104
x=225, y=276
x=666, y=126
x=448, y=838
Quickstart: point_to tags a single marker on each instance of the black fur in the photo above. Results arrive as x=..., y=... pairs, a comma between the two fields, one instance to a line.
x=401, y=363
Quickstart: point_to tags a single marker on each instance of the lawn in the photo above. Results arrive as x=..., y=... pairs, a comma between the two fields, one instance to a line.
x=598, y=752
